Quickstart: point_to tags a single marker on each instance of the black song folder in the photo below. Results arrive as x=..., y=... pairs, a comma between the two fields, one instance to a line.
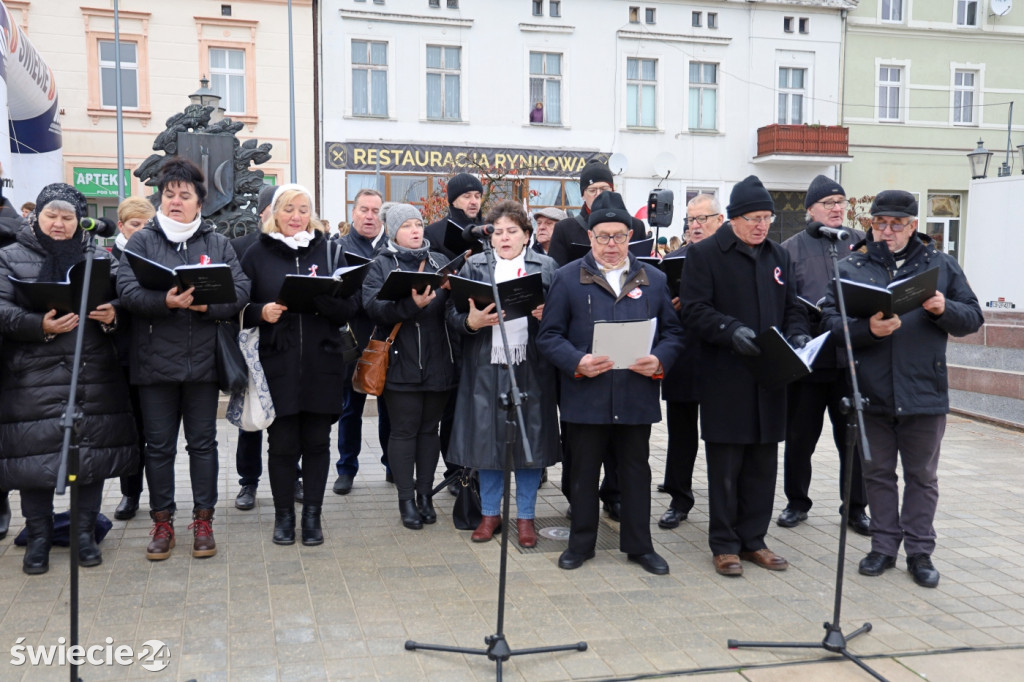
x=213, y=283
x=519, y=296
x=65, y=297
x=899, y=297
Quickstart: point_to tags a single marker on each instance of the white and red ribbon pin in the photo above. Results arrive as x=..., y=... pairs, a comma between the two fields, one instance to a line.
x=312, y=270
x=778, y=277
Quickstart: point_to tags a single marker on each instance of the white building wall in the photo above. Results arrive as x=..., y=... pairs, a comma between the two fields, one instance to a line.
x=595, y=39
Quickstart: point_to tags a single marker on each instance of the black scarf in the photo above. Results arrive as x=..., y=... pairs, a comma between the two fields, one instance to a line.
x=60, y=254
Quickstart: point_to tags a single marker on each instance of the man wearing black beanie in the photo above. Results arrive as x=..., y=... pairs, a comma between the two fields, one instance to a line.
x=823, y=390
x=737, y=285
x=465, y=197
x=595, y=178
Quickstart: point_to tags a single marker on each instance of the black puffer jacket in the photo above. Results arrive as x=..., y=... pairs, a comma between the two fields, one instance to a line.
x=11, y=223
x=301, y=353
x=35, y=376
x=174, y=346
x=422, y=358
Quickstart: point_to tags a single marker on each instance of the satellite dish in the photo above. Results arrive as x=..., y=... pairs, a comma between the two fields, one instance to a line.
x=664, y=164
x=1001, y=8
x=618, y=163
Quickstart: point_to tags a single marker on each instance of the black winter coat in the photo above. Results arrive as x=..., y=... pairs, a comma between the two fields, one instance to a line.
x=301, y=353
x=728, y=285
x=681, y=384
x=11, y=222
x=353, y=242
x=35, y=376
x=905, y=373
x=422, y=358
x=175, y=346
x=435, y=232
x=579, y=296
x=573, y=230
x=478, y=430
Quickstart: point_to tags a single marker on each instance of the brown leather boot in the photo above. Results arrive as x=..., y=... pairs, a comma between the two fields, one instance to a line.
x=203, y=544
x=527, y=533
x=488, y=526
x=163, y=536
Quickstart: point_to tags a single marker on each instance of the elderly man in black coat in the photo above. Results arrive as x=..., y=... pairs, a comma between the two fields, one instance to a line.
x=609, y=410
x=737, y=286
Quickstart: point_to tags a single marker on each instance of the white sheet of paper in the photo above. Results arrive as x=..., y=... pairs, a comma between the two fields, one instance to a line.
x=624, y=342
x=809, y=352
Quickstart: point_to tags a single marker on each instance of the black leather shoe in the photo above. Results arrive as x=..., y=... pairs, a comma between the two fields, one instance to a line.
x=411, y=518
x=88, y=551
x=453, y=488
x=426, y=506
x=661, y=487
x=791, y=518
x=5, y=514
x=37, y=551
x=284, y=525
x=876, y=563
x=312, y=534
x=127, y=508
x=570, y=559
x=651, y=562
x=298, y=490
x=860, y=523
x=614, y=510
x=671, y=519
x=343, y=485
x=923, y=571
x=245, y=500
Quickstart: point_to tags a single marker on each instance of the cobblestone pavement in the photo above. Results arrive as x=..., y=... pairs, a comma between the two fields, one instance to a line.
x=344, y=610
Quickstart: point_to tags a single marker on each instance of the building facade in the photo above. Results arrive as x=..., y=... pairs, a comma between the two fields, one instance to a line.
x=924, y=81
x=676, y=94
x=241, y=46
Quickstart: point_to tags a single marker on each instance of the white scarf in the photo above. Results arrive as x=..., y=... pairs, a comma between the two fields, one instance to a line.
x=120, y=241
x=517, y=330
x=299, y=240
x=178, y=232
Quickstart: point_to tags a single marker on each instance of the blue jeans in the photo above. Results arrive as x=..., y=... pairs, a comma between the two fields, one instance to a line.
x=350, y=432
x=492, y=486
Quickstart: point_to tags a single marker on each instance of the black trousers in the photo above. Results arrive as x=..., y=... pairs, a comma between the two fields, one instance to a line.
x=681, y=453
x=808, y=401
x=131, y=485
x=591, y=444
x=38, y=502
x=414, y=446
x=741, y=493
x=305, y=434
x=609, y=491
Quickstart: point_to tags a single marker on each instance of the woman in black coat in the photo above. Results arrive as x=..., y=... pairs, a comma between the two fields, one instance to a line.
x=37, y=358
x=421, y=371
x=173, y=354
x=301, y=354
x=479, y=423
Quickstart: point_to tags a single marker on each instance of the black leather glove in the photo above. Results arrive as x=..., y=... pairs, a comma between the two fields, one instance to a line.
x=800, y=340
x=743, y=342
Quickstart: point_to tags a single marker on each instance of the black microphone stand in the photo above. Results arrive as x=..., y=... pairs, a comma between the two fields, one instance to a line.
x=498, y=649
x=67, y=473
x=856, y=444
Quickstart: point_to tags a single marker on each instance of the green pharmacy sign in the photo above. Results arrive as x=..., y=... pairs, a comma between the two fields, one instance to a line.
x=100, y=182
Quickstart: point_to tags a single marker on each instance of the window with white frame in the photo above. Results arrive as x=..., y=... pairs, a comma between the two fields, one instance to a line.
x=890, y=88
x=546, y=87
x=641, y=92
x=964, y=84
x=444, y=78
x=703, y=96
x=892, y=10
x=792, y=91
x=966, y=12
x=555, y=8
x=227, y=78
x=369, y=78
x=538, y=8
x=129, y=75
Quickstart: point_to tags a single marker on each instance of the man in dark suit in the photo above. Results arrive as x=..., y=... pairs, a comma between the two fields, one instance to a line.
x=737, y=285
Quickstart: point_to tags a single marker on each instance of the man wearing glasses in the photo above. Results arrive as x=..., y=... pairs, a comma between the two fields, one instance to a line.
x=901, y=369
x=609, y=411
x=680, y=390
x=737, y=285
x=824, y=389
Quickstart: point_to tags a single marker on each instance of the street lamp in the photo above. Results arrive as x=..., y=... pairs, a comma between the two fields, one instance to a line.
x=205, y=97
x=979, y=160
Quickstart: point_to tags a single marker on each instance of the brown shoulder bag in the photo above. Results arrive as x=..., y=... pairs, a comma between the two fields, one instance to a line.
x=372, y=367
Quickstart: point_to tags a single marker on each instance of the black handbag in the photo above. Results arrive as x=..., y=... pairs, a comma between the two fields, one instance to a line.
x=467, y=512
x=232, y=372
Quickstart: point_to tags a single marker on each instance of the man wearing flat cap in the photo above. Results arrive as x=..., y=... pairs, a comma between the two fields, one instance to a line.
x=901, y=371
x=824, y=389
x=738, y=284
x=608, y=410
x=546, y=218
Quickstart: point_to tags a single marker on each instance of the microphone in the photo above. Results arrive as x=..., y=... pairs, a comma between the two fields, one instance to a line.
x=819, y=231
x=101, y=227
x=477, y=232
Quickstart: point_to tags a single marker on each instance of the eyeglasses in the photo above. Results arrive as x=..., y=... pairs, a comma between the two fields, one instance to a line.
x=764, y=220
x=594, y=190
x=511, y=231
x=701, y=219
x=832, y=203
x=897, y=226
x=619, y=238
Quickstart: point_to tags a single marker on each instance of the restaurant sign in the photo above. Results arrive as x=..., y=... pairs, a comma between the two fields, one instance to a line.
x=422, y=158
